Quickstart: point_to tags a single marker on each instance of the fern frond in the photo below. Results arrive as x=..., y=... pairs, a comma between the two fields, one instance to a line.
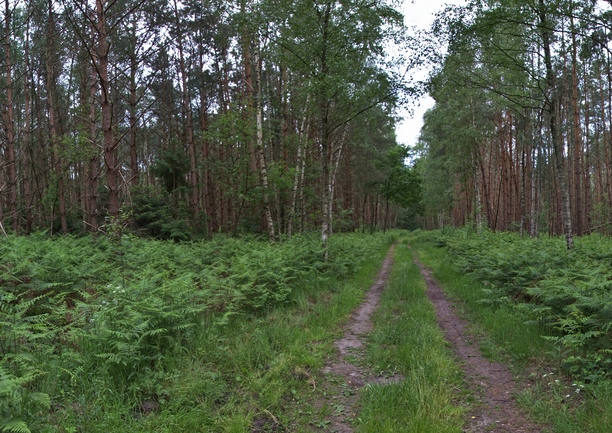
x=15, y=427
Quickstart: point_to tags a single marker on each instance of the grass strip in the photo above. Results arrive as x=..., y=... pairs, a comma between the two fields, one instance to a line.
x=408, y=342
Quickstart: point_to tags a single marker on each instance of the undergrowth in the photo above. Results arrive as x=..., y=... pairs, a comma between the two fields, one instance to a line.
x=125, y=334
x=541, y=304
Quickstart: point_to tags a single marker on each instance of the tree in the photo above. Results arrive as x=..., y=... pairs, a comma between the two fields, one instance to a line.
x=337, y=47
x=9, y=117
x=507, y=52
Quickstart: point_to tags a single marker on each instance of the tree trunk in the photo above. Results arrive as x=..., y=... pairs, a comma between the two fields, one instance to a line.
x=188, y=120
x=9, y=126
x=109, y=145
x=93, y=171
x=54, y=134
x=263, y=174
x=557, y=139
x=336, y=157
x=206, y=179
x=577, y=135
x=27, y=184
x=300, y=160
x=133, y=101
x=325, y=135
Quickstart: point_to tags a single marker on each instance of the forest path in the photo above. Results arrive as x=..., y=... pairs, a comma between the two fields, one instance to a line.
x=491, y=382
x=345, y=374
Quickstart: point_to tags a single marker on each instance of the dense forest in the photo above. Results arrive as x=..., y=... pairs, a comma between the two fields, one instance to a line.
x=520, y=137
x=185, y=118
x=189, y=118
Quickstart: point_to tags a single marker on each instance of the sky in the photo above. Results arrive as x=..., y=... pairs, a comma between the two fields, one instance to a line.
x=418, y=14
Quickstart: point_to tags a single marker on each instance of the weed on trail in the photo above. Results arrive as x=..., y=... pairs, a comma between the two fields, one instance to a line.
x=408, y=342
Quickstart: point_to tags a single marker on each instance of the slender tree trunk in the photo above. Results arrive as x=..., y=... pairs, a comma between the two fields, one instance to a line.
x=188, y=119
x=300, y=160
x=133, y=102
x=535, y=183
x=54, y=134
x=523, y=187
x=336, y=157
x=206, y=179
x=111, y=157
x=94, y=160
x=9, y=125
x=557, y=139
x=263, y=174
x=587, y=163
x=325, y=134
x=577, y=135
x=27, y=183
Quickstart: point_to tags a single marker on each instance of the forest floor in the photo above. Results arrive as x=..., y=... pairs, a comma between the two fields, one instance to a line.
x=491, y=383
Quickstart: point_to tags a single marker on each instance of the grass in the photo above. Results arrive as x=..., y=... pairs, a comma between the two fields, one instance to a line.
x=407, y=341
x=506, y=334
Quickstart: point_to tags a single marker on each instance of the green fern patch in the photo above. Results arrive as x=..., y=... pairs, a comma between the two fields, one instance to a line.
x=103, y=334
x=568, y=292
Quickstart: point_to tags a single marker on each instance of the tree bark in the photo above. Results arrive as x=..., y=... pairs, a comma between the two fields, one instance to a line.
x=54, y=133
x=325, y=133
x=133, y=102
x=27, y=183
x=263, y=173
x=299, y=168
x=93, y=171
x=188, y=122
x=109, y=145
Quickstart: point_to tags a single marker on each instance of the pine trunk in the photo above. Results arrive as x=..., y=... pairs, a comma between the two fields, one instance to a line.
x=9, y=125
x=110, y=147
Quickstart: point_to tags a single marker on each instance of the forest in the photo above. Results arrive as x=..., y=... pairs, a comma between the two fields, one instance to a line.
x=190, y=118
x=520, y=135
x=197, y=195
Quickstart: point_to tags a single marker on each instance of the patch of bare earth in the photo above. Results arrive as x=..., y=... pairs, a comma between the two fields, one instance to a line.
x=344, y=374
x=491, y=382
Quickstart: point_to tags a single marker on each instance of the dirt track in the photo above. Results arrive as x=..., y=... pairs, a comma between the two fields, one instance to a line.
x=491, y=383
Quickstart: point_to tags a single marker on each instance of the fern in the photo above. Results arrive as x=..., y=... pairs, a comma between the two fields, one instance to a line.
x=569, y=291
x=15, y=427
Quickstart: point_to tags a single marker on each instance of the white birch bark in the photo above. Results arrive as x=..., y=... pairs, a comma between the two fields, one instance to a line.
x=263, y=174
x=299, y=171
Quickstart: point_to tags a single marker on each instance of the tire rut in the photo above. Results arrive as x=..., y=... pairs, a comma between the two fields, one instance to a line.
x=491, y=382
x=344, y=374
